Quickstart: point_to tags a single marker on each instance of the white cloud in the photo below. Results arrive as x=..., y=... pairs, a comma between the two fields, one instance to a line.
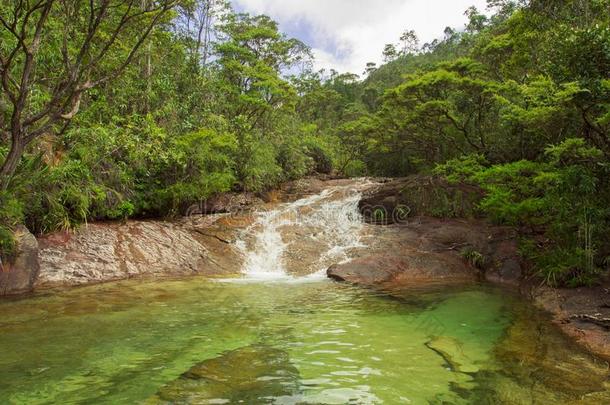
x=346, y=34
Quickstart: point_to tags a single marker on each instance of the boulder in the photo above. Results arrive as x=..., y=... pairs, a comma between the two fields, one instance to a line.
x=409, y=268
x=114, y=251
x=18, y=274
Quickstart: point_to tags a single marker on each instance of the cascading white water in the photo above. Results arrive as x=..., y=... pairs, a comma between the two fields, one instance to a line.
x=303, y=237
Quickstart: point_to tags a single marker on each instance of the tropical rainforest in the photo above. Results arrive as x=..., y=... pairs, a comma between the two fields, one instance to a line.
x=115, y=109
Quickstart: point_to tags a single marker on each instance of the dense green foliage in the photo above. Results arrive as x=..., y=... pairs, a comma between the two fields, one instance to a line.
x=517, y=103
x=171, y=129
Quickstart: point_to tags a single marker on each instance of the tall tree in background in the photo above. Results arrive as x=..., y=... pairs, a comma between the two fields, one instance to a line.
x=52, y=51
x=197, y=24
x=252, y=58
x=389, y=53
x=409, y=42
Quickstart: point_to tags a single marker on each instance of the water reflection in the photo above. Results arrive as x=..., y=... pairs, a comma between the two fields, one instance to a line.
x=196, y=341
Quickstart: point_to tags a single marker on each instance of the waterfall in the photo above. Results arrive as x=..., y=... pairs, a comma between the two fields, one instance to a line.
x=302, y=238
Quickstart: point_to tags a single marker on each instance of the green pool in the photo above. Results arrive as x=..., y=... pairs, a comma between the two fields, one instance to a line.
x=206, y=342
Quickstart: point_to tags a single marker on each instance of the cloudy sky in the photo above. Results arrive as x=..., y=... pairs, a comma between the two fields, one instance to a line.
x=346, y=34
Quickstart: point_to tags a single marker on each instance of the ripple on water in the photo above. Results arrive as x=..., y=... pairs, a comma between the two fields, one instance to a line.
x=286, y=343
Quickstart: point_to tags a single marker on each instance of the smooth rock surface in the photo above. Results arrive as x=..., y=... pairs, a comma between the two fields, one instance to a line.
x=112, y=251
x=410, y=268
x=582, y=313
x=428, y=250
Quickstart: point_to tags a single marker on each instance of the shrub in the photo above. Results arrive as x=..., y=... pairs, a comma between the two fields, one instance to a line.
x=563, y=197
x=294, y=160
x=257, y=166
x=461, y=169
x=11, y=213
x=321, y=154
x=355, y=168
x=475, y=258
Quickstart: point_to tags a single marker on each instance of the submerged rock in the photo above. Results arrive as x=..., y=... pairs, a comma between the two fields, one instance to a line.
x=255, y=374
x=540, y=365
x=452, y=351
x=18, y=274
x=582, y=313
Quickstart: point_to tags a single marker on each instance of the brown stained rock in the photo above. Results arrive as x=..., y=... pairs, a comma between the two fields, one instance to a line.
x=581, y=313
x=112, y=251
x=410, y=268
x=429, y=250
x=19, y=273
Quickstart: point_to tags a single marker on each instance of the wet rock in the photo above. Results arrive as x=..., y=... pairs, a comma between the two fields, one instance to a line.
x=196, y=244
x=410, y=268
x=581, y=313
x=307, y=186
x=440, y=246
x=18, y=274
x=427, y=250
x=256, y=374
x=452, y=351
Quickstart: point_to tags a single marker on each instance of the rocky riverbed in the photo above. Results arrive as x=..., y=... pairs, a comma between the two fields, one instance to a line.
x=423, y=250
x=402, y=245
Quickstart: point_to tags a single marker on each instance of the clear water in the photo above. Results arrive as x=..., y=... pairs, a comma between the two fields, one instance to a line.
x=198, y=341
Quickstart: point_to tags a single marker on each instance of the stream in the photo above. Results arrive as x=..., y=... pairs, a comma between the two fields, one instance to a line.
x=282, y=333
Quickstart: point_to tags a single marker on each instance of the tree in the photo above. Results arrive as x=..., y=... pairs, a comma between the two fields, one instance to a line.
x=370, y=68
x=454, y=103
x=196, y=23
x=410, y=42
x=251, y=59
x=449, y=33
x=476, y=20
x=54, y=51
x=389, y=53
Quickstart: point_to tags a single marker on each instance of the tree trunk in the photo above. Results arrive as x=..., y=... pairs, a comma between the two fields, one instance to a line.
x=10, y=163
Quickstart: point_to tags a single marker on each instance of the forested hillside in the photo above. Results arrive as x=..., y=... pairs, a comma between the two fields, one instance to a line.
x=518, y=104
x=117, y=109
